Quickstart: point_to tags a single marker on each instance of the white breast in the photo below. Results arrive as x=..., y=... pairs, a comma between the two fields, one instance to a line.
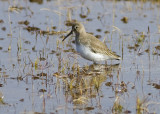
x=88, y=54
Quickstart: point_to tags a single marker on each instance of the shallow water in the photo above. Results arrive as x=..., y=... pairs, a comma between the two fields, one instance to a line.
x=40, y=74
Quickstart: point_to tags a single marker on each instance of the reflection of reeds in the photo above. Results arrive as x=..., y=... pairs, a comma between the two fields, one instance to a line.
x=15, y=9
x=117, y=107
x=1, y=99
x=19, y=42
x=84, y=83
x=9, y=18
x=141, y=105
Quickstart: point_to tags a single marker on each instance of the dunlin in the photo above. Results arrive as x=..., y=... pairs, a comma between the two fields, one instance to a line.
x=89, y=46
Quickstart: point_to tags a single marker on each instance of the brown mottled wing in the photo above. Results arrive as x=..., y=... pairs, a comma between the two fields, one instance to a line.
x=99, y=47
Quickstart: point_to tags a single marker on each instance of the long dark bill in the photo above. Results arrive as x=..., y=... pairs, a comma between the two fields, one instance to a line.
x=67, y=35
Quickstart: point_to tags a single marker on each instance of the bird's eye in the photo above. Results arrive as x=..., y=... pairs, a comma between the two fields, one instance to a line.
x=76, y=27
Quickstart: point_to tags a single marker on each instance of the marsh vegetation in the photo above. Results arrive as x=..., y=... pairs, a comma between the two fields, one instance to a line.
x=41, y=74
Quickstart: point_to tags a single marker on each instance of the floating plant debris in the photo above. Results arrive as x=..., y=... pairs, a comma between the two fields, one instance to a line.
x=89, y=108
x=89, y=19
x=130, y=47
x=42, y=90
x=83, y=16
x=29, y=28
x=43, y=32
x=108, y=83
x=98, y=30
x=3, y=28
x=27, y=42
x=1, y=21
x=98, y=36
x=42, y=74
x=24, y=22
x=157, y=47
x=16, y=8
x=22, y=100
x=124, y=20
x=157, y=86
x=1, y=85
x=36, y=1
x=54, y=27
x=35, y=77
x=106, y=32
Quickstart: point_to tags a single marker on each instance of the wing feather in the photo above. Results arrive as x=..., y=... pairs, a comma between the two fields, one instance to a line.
x=99, y=47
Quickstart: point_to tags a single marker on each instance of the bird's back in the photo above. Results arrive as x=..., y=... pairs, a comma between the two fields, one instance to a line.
x=98, y=46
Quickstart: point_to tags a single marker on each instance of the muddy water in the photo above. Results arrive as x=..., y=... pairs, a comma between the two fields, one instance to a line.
x=40, y=74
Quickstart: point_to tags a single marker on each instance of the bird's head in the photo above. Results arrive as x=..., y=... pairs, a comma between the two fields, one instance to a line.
x=77, y=28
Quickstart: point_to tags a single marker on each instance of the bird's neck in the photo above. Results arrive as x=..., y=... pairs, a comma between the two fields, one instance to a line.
x=79, y=37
